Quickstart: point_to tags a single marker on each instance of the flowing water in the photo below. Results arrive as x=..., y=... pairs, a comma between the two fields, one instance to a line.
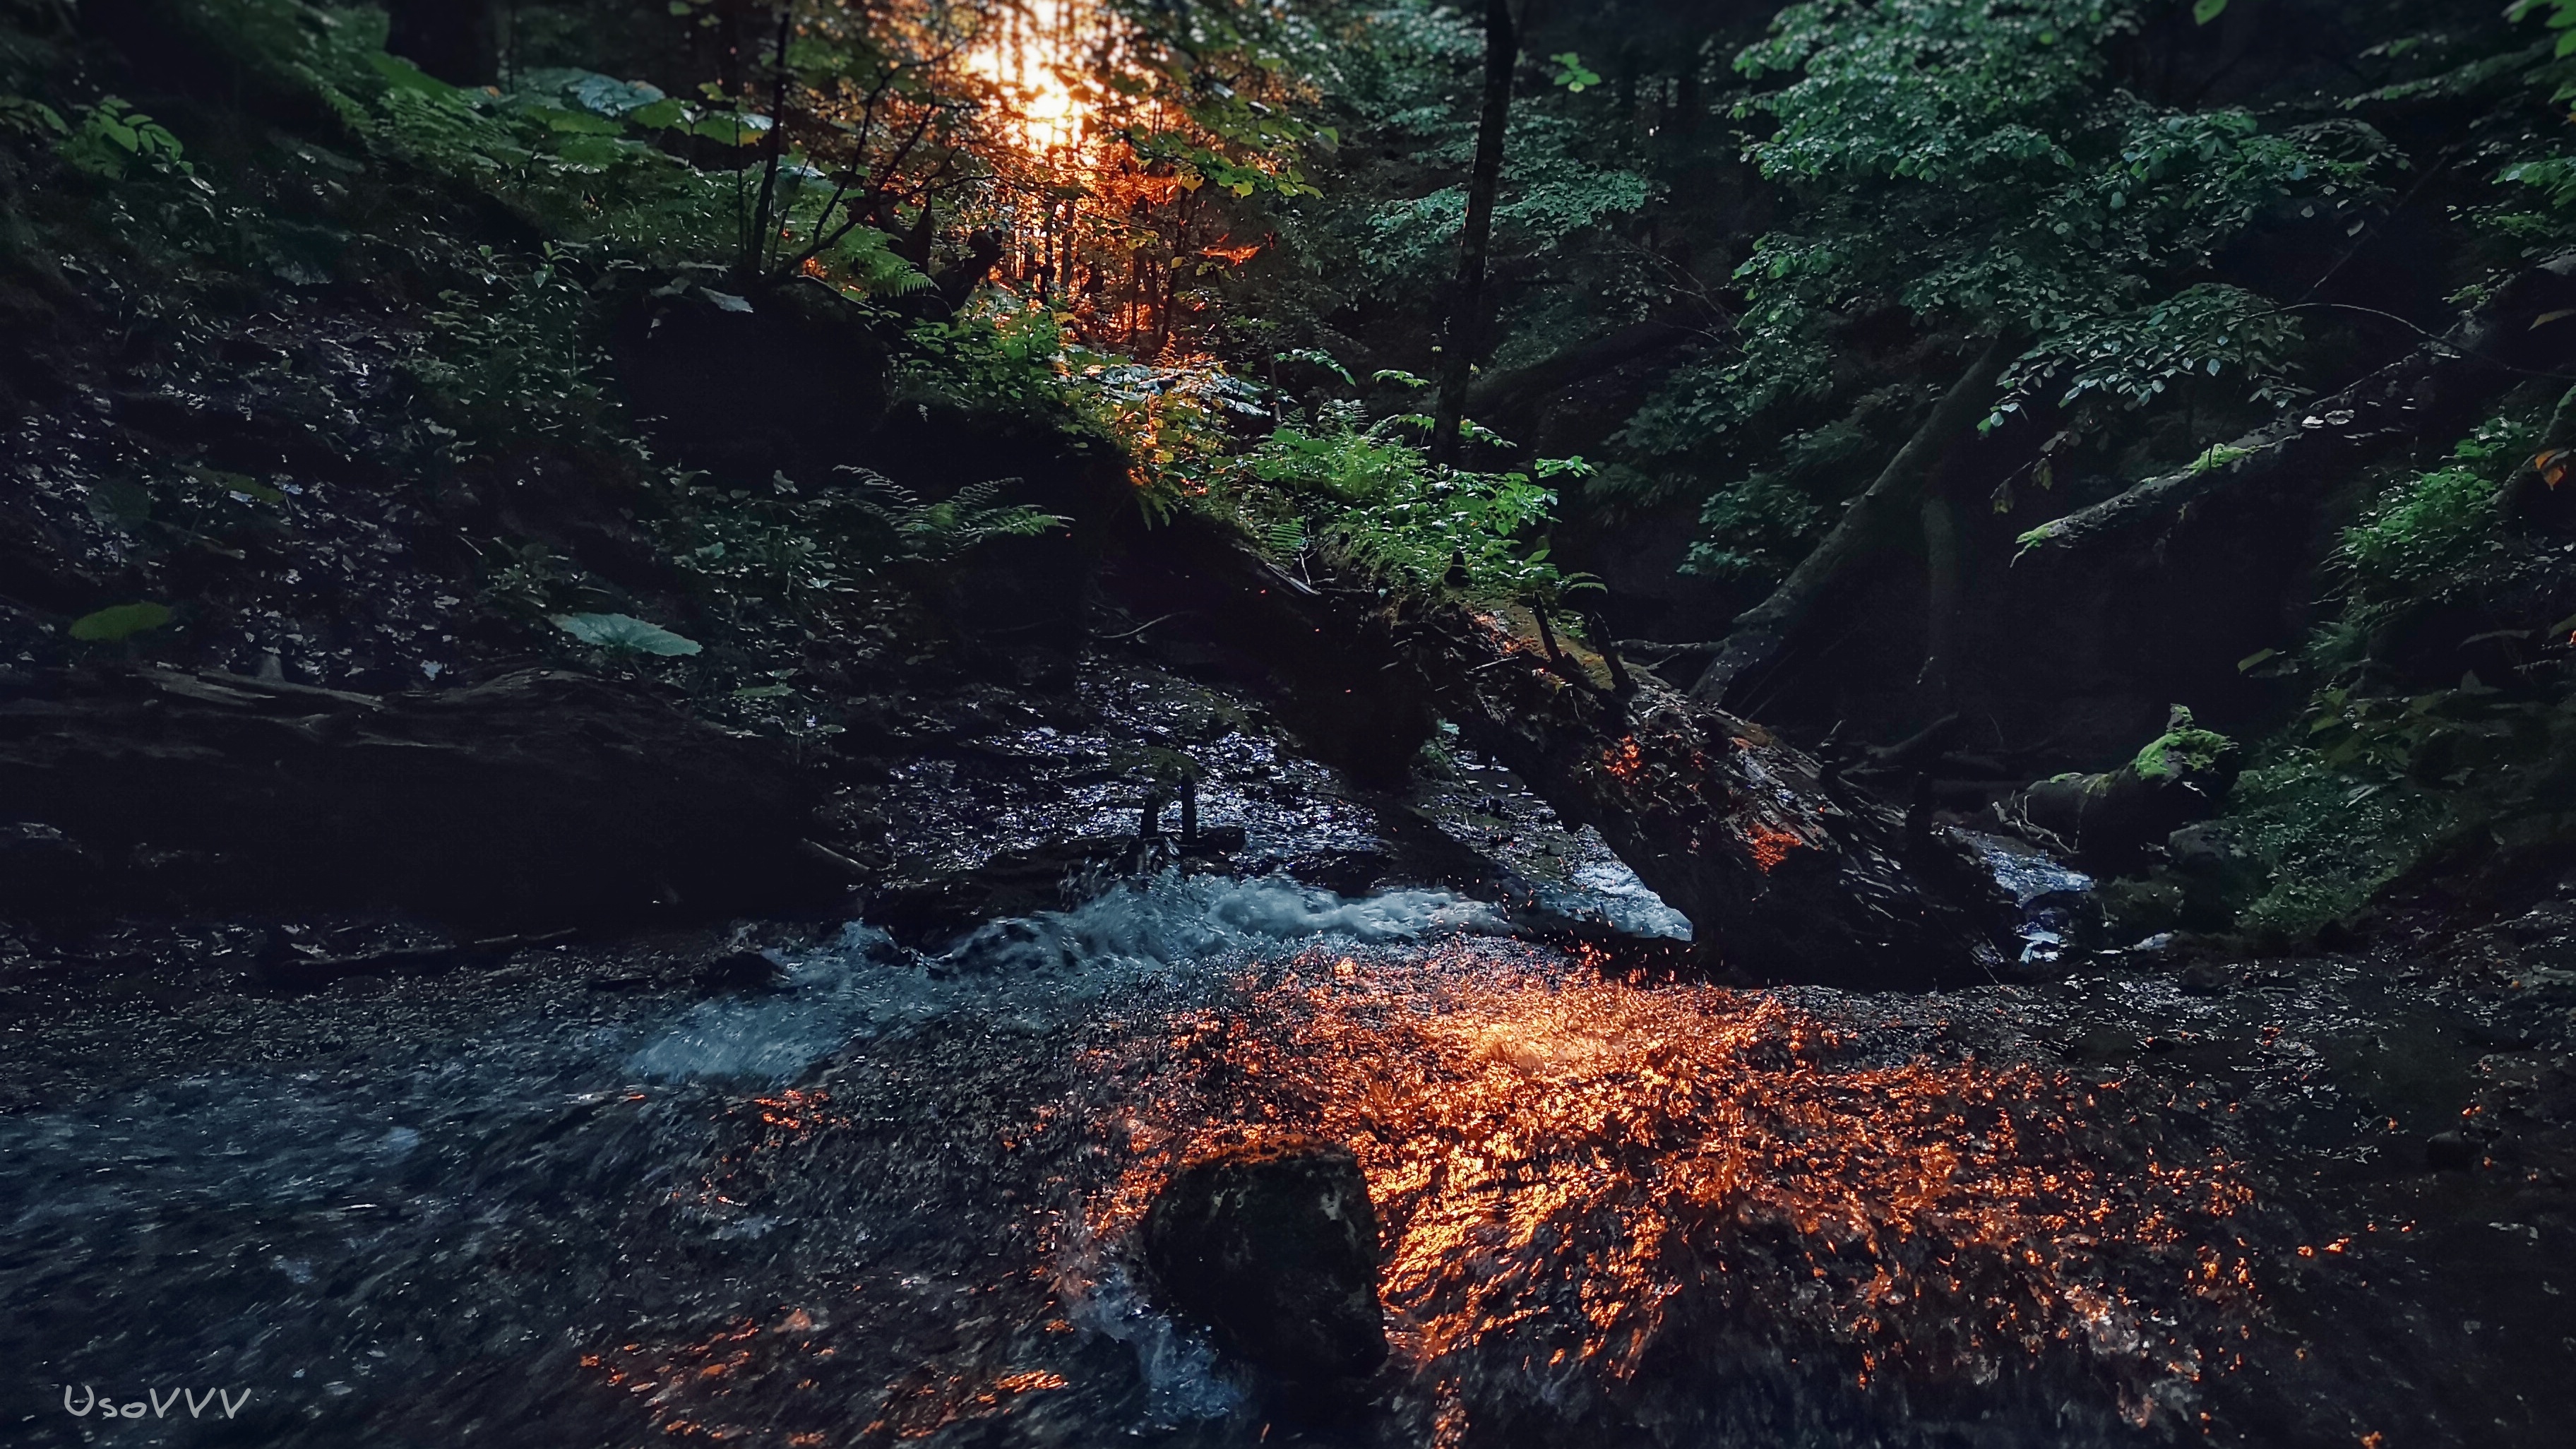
x=889, y=1201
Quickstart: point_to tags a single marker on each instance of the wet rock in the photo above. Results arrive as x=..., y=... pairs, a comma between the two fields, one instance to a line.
x=2450, y=1152
x=1275, y=1248
x=40, y=866
x=744, y=970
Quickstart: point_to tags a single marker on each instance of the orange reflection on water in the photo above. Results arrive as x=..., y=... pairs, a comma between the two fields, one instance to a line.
x=1599, y=1181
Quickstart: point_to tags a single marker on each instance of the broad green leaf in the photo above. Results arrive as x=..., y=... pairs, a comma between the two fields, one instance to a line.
x=121, y=621
x=576, y=122
x=402, y=75
x=665, y=112
x=626, y=633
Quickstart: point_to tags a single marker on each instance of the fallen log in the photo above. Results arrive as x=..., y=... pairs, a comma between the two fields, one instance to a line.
x=541, y=797
x=1509, y=391
x=1785, y=873
x=2431, y=395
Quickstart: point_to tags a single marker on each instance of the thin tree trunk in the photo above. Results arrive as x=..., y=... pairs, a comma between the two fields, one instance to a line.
x=758, y=245
x=1945, y=586
x=1467, y=304
x=1762, y=633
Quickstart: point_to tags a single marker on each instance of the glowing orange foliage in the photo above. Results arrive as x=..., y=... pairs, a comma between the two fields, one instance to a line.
x=1770, y=844
x=1625, y=762
x=1577, y=1172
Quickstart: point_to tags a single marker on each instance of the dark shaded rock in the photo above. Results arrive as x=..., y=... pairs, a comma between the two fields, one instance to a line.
x=2206, y=978
x=2450, y=1152
x=542, y=796
x=746, y=387
x=40, y=866
x=1275, y=1248
x=744, y=970
x=2220, y=876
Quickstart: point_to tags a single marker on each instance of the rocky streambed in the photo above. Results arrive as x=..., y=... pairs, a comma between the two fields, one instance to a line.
x=874, y=1173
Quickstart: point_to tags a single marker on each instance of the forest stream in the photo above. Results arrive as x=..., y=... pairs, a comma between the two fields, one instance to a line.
x=1401, y=724
x=576, y=1196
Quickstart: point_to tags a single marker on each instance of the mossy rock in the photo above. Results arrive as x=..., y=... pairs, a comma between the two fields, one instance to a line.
x=2118, y=820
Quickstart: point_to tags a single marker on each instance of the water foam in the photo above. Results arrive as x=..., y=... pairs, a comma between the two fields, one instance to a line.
x=1027, y=973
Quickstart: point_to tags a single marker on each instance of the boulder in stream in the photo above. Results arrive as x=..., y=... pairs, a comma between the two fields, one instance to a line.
x=1275, y=1248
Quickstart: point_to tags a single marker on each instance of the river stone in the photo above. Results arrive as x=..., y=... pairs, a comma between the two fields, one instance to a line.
x=1275, y=1248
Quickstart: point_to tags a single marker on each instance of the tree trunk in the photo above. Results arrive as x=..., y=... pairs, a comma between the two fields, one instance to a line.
x=1945, y=586
x=1761, y=634
x=1784, y=872
x=1467, y=304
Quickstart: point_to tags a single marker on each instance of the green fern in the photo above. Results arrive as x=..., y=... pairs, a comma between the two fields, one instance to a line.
x=938, y=532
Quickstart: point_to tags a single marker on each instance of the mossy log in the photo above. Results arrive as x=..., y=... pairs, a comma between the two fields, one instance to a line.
x=1785, y=873
x=2526, y=329
x=2115, y=820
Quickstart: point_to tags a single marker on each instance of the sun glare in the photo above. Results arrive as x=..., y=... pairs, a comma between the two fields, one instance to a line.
x=1030, y=53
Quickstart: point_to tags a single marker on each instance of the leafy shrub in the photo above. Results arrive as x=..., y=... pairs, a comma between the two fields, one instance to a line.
x=2422, y=529
x=2433, y=523
x=935, y=533
x=113, y=141
x=2131, y=358
x=800, y=548
x=2329, y=839
x=1375, y=498
x=512, y=361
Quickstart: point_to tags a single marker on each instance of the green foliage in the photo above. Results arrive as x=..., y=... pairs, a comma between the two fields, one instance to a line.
x=1341, y=460
x=113, y=141
x=2329, y=839
x=802, y=548
x=624, y=634
x=2429, y=525
x=1428, y=522
x=1756, y=527
x=1551, y=192
x=1970, y=169
x=512, y=363
x=2207, y=330
x=119, y=622
x=994, y=356
x=935, y=533
x=20, y=116
x=1371, y=496
x=2559, y=15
